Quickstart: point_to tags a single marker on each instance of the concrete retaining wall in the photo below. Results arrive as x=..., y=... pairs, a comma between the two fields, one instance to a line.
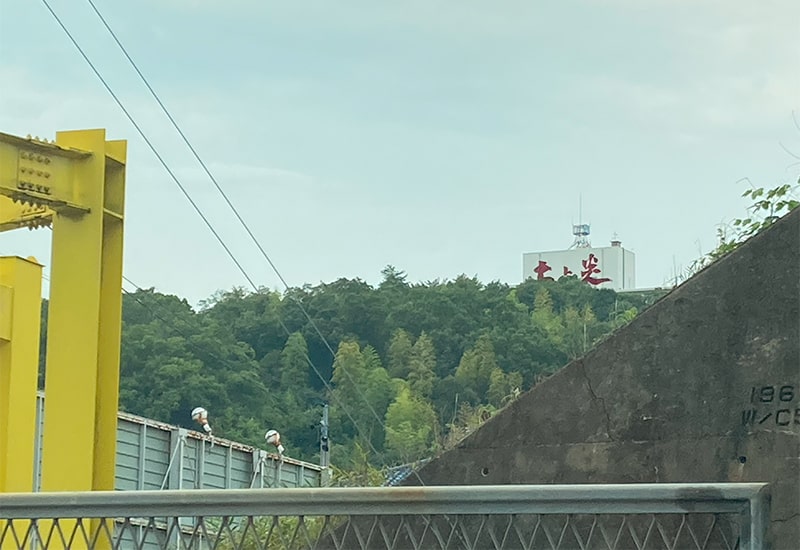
x=704, y=386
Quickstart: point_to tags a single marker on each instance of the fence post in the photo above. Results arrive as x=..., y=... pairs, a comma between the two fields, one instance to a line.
x=756, y=521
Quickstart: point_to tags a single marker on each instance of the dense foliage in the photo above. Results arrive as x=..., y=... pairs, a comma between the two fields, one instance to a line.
x=406, y=368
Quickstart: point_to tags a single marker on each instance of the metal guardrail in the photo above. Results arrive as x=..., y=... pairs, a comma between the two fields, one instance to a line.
x=532, y=517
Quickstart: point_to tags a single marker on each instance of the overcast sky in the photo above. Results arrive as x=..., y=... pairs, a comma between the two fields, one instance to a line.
x=442, y=137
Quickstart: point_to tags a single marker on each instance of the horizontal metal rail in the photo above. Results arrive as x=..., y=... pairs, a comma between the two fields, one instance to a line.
x=749, y=502
x=660, y=498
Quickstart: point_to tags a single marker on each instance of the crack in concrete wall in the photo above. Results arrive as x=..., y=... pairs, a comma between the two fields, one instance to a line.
x=596, y=398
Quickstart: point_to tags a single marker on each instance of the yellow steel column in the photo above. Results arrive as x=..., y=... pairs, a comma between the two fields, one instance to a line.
x=81, y=382
x=78, y=183
x=20, y=310
x=110, y=327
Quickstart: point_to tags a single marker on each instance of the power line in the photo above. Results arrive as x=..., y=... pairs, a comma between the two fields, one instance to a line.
x=149, y=143
x=170, y=325
x=227, y=200
x=188, y=340
x=205, y=168
x=206, y=352
x=203, y=217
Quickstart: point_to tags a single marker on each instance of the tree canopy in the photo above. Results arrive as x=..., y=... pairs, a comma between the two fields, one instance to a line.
x=406, y=368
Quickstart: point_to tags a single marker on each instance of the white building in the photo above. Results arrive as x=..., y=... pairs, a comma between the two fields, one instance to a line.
x=606, y=267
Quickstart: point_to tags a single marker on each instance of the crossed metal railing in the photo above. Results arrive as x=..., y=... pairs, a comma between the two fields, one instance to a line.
x=532, y=517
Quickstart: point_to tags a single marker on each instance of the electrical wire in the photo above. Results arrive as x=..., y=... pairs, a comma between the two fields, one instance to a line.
x=207, y=171
x=197, y=209
x=227, y=200
x=171, y=324
x=149, y=144
x=172, y=327
x=189, y=341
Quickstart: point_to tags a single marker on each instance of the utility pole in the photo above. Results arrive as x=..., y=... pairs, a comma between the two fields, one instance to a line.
x=324, y=443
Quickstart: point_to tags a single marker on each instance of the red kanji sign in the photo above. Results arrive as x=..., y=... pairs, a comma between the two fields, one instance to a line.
x=541, y=269
x=590, y=269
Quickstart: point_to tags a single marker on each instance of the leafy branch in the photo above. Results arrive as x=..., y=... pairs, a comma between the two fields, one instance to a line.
x=768, y=206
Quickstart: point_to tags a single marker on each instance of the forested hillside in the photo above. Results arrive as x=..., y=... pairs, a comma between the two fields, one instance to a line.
x=406, y=368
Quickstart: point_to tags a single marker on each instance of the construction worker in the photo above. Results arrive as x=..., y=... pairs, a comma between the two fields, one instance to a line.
x=200, y=415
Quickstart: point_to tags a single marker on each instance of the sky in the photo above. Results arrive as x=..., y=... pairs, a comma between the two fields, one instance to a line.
x=441, y=137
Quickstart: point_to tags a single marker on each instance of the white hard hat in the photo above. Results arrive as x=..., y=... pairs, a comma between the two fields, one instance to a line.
x=199, y=412
x=272, y=436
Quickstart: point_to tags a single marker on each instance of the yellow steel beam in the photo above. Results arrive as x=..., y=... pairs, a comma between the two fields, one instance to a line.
x=20, y=310
x=110, y=318
x=77, y=183
x=39, y=173
x=84, y=321
x=14, y=215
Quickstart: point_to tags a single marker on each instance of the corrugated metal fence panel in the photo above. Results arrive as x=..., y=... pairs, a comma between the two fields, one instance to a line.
x=242, y=473
x=190, y=465
x=129, y=451
x=290, y=477
x=145, y=458
x=216, y=466
x=141, y=537
x=156, y=457
x=311, y=478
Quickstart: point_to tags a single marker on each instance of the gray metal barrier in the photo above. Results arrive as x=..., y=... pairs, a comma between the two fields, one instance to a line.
x=157, y=455
x=612, y=517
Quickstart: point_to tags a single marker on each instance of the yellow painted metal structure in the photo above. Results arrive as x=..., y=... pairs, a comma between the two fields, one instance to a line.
x=20, y=300
x=77, y=185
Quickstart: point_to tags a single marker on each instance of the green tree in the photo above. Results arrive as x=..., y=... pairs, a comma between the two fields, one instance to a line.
x=252, y=317
x=348, y=369
x=520, y=343
x=624, y=317
x=294, y=365
x=545, y=317
x=363, y=391
x=232, y=355
x=446, y=395
x=422, y=367
x=580, y=329
x=348, y=405
x=468, y=419
x=360, y=471
x=503, y=387
x=399, y=354
x=393, y=279
x=296, y=412
x=476, y=366
x=410, y=427
x=379, y=392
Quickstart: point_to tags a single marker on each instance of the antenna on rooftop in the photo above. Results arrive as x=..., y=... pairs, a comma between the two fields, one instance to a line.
x=581, y=230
